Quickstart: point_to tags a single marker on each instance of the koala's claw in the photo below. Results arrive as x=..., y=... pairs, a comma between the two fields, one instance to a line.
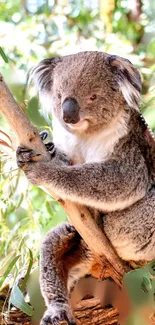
x=43, y=135
x=24, y=155
x=50, y=145
x=56, y=317
x=55, y=321
x=51, y=148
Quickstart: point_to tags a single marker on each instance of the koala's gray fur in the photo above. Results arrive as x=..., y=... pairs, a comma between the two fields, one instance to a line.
x=110, y=166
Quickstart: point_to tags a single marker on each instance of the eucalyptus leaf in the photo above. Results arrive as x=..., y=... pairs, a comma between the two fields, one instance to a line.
x=26, y=277
x=3, y=55
x=20, y=200
x=17, y=299
x=36, y=299
x=150, y=267
x=8, y=270
x=139, y=287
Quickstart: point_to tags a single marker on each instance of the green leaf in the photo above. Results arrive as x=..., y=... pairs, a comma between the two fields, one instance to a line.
x=48, y=207
x=23, y=285
x=6, y=260
x=36, y=299
x=139, y=287
x=150, y=267
x=17, y=299
x=3, y=55
x=8, y=270
x=20, y=200
x=11, y=235
x=146, y=284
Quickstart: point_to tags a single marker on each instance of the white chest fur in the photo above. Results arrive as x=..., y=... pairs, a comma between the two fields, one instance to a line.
x=83, y=149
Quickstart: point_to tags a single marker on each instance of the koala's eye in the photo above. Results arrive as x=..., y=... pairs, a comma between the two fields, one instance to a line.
x=59, y=95
x=93, y=97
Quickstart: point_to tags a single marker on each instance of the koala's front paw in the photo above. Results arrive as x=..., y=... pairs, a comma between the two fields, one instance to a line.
x=25, y=155
x=57, y=313
x=27, y=160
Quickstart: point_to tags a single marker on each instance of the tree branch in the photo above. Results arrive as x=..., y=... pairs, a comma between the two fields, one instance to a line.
x=27, y=135
x=89, y=311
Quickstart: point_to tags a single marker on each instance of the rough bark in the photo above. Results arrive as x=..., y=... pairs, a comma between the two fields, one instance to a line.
x=89, y=311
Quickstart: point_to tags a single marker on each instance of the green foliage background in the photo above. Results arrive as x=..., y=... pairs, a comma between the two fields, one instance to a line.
x=33, y=30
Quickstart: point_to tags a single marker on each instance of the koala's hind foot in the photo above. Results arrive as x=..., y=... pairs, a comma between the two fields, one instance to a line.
x=56, y=313
x=64, y=259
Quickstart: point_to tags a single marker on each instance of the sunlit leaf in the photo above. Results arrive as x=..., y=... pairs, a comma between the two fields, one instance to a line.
x=139, y=286
x=20, y=200
x=8, y=270
x=36, y=299
x=23, y=285
x=17, y=299
x=3, y=55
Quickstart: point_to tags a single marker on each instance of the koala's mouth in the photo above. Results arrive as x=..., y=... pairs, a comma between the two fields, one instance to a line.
x=82, y=124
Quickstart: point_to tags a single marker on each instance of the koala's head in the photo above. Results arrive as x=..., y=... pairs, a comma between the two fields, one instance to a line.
x=88, y=90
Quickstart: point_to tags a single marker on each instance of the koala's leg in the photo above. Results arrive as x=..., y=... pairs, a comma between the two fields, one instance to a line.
x=64, y=259
x=132, y=231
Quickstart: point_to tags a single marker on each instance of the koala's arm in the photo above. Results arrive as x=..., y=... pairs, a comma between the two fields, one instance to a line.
x=111, y=185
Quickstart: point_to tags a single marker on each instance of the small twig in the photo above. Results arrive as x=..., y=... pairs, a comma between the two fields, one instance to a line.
x=9, y=172
x=5, y=144
x=6, y=135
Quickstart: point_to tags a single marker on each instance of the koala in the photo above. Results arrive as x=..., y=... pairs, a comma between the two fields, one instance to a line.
x=103, y=157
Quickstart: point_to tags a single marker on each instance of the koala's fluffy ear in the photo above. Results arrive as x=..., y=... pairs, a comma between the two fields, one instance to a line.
x=127, y=78
x=41, y=74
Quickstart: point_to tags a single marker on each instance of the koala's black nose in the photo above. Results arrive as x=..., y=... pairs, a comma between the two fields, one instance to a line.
x=70, y=108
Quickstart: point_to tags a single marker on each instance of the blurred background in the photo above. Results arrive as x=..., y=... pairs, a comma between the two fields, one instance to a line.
x=31, y=30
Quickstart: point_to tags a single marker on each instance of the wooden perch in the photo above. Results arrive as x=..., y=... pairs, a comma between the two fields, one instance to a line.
x=27, y=135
